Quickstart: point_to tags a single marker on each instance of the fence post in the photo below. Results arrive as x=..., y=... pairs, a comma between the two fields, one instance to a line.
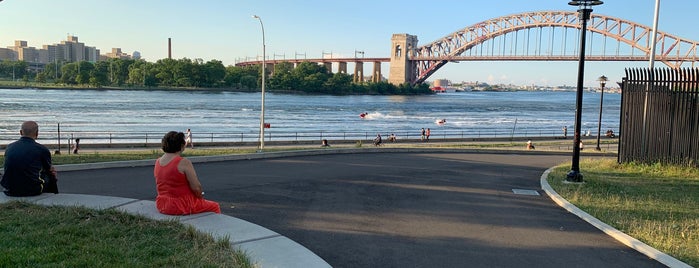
x=212, y=137
x=110, y=138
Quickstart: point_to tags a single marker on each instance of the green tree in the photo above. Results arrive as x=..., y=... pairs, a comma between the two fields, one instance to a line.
x=40, y=77
x=214, y=73
x=69, y=72
x=85, y=69
x=339, y=83
x=283, y=77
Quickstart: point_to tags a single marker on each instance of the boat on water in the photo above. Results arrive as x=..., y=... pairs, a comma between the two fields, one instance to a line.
x=439, y=89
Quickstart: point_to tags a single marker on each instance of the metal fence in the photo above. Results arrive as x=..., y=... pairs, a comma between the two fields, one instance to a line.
x=660, y=116
x=271, y=135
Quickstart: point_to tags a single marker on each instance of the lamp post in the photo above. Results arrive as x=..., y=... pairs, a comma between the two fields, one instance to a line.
x=584, y=10
x=262, y=111
x=602, y=81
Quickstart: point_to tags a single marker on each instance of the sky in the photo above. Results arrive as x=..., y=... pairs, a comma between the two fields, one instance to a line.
x=225, y=30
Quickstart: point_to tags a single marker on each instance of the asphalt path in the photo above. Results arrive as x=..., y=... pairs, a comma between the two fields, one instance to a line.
x=395, y=209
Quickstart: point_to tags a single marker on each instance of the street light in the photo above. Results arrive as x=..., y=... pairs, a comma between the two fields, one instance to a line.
x=584, y=10
x=602, y=81
x=262, y=112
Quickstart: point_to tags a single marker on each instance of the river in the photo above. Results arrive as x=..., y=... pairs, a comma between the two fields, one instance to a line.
x=127, y=114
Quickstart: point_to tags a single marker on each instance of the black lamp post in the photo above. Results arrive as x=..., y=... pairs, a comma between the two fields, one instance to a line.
x=584, y=10
x=602, y=81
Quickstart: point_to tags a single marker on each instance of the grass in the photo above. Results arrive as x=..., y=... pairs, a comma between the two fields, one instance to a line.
x=128, y=155
x=56, y=236
x=657, y=204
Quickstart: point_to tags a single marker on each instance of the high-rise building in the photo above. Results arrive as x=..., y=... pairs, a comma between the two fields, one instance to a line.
x=7, y=54
x=117, y=54
x=70, y=50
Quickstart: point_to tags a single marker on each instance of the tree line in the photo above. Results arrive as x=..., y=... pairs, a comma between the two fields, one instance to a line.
x=187, y=73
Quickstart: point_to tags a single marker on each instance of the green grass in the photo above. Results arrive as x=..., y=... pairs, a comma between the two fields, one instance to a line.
x=128, y=155
x=657, y=204
x=56, y=236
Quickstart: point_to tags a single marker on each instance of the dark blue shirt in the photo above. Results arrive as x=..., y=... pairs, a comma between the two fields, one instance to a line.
x=25, y=161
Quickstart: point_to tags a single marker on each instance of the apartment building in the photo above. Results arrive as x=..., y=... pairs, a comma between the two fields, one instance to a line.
x=70, y=50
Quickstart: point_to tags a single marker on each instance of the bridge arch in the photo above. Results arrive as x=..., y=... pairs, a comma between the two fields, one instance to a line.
x=670, y=49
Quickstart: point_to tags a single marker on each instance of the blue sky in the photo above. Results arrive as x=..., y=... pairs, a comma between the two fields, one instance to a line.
x=225, y=30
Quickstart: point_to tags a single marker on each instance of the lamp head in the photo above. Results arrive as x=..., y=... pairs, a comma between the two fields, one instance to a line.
x=585, y=3
x=256, y=17
x=602, y=80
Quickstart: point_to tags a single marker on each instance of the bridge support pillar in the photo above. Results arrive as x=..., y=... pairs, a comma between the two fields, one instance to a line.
x=342, y=68
x=358, y=72
x=329, y=66
x=376, y=75
x=402, y=69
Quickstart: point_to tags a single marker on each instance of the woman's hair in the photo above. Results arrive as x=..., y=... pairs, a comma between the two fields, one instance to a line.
x=173, y=141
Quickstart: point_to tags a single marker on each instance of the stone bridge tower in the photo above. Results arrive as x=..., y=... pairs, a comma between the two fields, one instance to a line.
x=402, y=70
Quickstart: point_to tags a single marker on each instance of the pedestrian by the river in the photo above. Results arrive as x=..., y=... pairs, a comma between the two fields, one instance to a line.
x=565, y=132
x=530, y=145
x=188, y=139
x=427, y=134
x=378, y=140
x=76, y=146
x=422, y=134
x=28, y=168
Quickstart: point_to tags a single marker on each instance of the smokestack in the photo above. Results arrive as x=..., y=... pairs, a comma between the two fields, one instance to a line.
x=169, y=48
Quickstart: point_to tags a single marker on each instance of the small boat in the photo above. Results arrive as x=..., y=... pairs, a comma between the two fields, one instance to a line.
x=439, y=89
x=441, y=122
x=362, y=115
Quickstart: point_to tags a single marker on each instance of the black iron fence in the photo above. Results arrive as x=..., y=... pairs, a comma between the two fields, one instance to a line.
x=660, y=116
x=271, y=135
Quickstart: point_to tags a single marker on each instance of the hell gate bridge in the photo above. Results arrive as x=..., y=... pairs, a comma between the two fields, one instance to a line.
x=531, y=36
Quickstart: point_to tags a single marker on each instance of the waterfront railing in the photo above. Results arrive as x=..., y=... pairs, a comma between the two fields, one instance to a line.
x=114, y=138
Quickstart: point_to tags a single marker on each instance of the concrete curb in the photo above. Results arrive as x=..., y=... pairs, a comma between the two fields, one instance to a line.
x=266, y=248
x=609, y=230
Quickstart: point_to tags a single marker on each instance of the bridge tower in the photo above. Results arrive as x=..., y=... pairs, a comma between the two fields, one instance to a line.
x=402, y=69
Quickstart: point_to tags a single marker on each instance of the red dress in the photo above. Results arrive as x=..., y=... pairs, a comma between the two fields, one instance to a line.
x=174, y=195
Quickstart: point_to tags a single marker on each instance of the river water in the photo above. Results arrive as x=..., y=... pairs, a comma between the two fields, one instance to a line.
x=236, y=116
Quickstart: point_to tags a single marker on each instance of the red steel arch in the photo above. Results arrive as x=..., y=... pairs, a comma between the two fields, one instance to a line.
x=670, y=49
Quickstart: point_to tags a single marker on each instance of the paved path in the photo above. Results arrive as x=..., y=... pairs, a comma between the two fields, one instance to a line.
x=443, y=209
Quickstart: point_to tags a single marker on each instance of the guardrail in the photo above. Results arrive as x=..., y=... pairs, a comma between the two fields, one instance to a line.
x=116, y=137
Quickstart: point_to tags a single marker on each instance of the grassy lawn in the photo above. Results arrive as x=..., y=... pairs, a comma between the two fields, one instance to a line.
x=55, y=236
x=657, y=204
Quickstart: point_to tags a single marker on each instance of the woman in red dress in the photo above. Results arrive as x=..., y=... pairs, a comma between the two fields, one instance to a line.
x=179, y=189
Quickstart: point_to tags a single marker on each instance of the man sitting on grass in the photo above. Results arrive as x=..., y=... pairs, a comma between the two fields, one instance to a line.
x=28, y=169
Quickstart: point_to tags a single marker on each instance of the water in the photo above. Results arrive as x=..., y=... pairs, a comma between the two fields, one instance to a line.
x=236, y=115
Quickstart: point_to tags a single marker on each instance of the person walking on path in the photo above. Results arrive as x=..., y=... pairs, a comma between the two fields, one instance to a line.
x=422, y=134
x=76, y=146
x=177, y=184
x=28, y=168
x=565, y=132
x=427, y=135
x=378, y=140
x=188, y=139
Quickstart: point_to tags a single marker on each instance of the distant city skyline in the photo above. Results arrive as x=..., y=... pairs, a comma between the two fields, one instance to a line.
x=225, y=30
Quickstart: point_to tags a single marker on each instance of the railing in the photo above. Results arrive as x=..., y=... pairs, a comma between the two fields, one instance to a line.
x=116, y=137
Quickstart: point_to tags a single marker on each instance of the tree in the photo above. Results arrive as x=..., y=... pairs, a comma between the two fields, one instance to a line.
x=339, y=83
x=214, y=72
x=69, y=72
x=40, y=77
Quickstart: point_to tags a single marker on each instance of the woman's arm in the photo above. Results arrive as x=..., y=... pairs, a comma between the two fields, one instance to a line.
x=187, y=168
